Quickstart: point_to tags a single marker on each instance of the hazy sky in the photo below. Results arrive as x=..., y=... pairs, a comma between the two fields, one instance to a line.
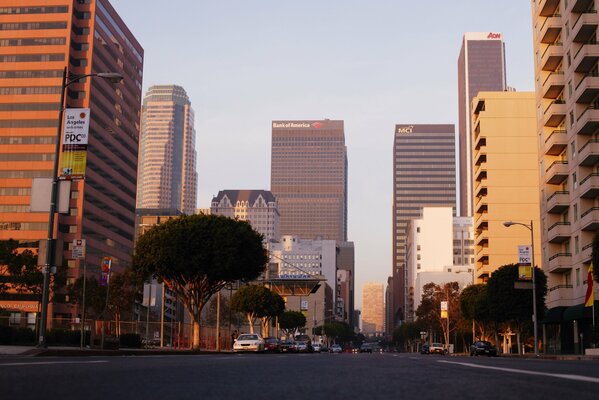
x=370, y=63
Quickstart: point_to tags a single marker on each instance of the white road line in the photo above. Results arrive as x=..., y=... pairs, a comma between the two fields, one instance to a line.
x=53, y=362
x=523, y=371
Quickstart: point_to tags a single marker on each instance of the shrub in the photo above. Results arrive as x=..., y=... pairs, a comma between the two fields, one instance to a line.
x=63, y=337
x=6, y=333
x=130, y=340
x=24, y=336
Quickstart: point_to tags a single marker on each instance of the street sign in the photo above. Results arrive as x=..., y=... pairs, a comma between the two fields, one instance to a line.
x=304, y=305
x=78, y=252
x=105, y=271
x=444, y=306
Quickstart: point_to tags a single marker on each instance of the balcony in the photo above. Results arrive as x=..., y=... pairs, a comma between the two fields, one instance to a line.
x=589, y=220
x=481, y=223
x=559, y=232
x=589, y=186
x=587, y=122
x=480, y=189
x=585, y=26
x=554, y=113
x=586, y=57
x=560, y=262
x=548, y=7
x=587, y=89
x=481, y=141
x=481, y=205
x=552, y=56
x=480, y=172
x=480, y=157
x=587, y=253
x=553, y=85
x=551, y=28
x=589, y=153
x=482, y=255
x=556, y=142
x=557, y=172
x=559, y=287
x=482, y=238
x=558, y=202
x=580, y=6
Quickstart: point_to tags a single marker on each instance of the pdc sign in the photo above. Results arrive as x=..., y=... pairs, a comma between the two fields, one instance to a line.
x=74, y=143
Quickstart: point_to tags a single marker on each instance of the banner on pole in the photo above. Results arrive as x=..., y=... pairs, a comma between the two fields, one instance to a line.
x=524, y=263
x=105, y=271
x=74, y=143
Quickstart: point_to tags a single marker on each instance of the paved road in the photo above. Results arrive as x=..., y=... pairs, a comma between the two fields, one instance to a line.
x=297, y=376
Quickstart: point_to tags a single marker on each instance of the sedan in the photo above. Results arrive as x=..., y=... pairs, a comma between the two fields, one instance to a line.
x=336, y=349
x=287, y=346
x=249, y=342
x=483, y=348
x=272, y=344
x=316, y=347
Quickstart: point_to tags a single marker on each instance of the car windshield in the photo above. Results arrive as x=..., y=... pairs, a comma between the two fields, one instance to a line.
x=247, y=337
x=272, y=340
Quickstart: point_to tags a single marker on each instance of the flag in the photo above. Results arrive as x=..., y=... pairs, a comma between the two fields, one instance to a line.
x=589, y=298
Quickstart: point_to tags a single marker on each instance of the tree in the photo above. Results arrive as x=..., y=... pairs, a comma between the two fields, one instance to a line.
x=257, y=302
x=18, y=269
x=339, y=331
x=514, y=306
x=197, y=255
x=429, y=310
x=291, y=321
x=474, y=305
x=407, y=333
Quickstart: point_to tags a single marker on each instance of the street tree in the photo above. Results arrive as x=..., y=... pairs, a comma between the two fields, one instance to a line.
x=429, y=310
x=474, y=305
x=291, y=321
x=511, y=306
x=339, y=331
x=197, y=255
x=407, y=334
x=257, y=301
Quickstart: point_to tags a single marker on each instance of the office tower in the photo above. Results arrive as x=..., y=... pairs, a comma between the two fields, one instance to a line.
x=566, y=82
x=258, y=207
x=37, y=43
x=373, y=308
x=506, y=177
x=389, y=307
x=167, y=177
x=345, y=282
x=481, y=67
x=309, y=178
x=423, y=175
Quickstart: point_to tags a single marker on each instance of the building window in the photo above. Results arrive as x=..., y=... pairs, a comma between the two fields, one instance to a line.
x=573, y=149
x=577, y=277
x=576, y=245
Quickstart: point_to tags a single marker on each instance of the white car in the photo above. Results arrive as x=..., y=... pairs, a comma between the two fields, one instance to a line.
x=336, y=349
x=317, y=347
x=248, y=342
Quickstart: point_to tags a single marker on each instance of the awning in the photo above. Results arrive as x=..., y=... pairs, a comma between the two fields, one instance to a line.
x=579, y=312
x=554, y=315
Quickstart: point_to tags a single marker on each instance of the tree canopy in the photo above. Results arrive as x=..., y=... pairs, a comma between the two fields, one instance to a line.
x=18, y=269
x=197, y=255
x=291, y=321
x=429, y=310
x=258, y=302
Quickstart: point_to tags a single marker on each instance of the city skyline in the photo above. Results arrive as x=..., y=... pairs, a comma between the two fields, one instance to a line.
x=370, y=66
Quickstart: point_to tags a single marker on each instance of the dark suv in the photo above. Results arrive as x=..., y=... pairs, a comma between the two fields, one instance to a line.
x=483, y=348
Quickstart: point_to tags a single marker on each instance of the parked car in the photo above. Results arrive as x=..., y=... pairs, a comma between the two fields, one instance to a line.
x=317, y=347
x=437, y=348
x=366, y=348
x=483, y=348
x=287, y=346
x=248, y=342
x=272, y=344
x=335, y=349
x=425, y=349
x=303, y=346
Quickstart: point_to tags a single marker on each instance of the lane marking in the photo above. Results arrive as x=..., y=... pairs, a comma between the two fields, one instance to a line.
x=53, y=362
x=527, y=372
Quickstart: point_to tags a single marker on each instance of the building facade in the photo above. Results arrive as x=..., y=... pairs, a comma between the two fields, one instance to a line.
x=566, y=67
x=423, y=175
x=481, y=67
x=167, y=176
x=506, y=178
x=36, y=44
x=463, y=241
x=373, y=309
x=258, y=207
x=345, y=282
x=309, y=178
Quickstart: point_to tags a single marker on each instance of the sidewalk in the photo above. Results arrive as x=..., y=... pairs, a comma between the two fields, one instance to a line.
x=78, y=352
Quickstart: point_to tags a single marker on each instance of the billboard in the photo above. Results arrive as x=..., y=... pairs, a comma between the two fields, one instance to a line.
x=74, y=143
x=105, y=271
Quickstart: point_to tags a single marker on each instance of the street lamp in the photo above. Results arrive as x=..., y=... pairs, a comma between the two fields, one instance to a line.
x=530, y=227
x=50, y=248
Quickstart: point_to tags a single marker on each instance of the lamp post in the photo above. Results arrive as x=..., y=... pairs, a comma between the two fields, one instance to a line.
x=50, y=248
x=534, y=285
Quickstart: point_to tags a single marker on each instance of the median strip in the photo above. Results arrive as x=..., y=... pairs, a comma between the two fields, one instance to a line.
x=526, y=372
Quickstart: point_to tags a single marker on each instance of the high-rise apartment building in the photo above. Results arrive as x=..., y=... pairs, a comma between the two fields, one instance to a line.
x=481, y=67
x=567, y=109
x=37, y=41
x=309, y=178
x=506, y=177
x=258, y=207
x=167, y=177
x=373, y=308
x=423, y=175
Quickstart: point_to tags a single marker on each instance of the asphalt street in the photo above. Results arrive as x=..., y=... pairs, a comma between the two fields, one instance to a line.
x=297, y=376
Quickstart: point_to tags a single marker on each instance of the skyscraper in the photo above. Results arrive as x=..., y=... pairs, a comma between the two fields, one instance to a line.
x=37, y=43
x=309, y=178
x=481, y=67
x=423, y=175
x=373, y=308
x=167, y=176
